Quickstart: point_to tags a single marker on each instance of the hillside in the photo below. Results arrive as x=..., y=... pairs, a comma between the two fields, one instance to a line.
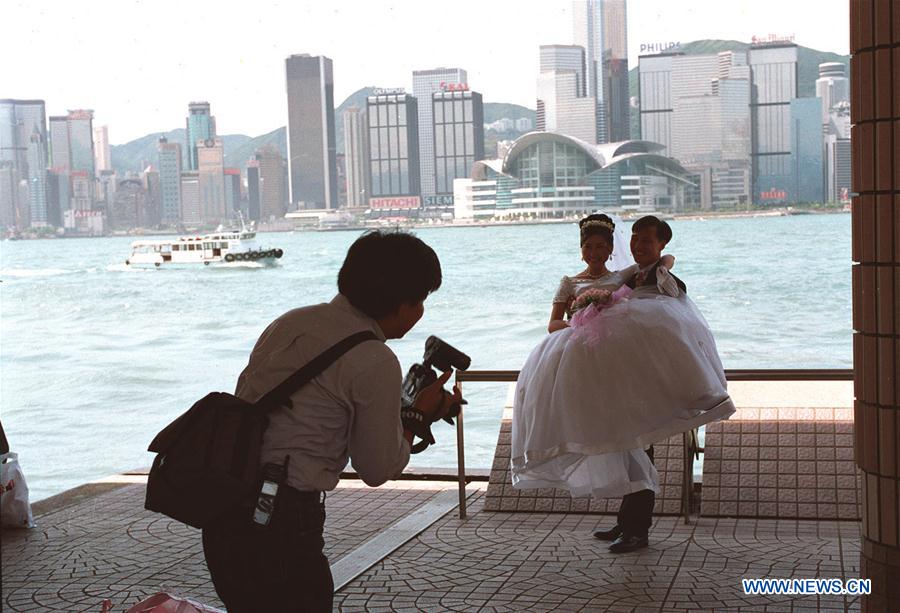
x=808, y=61
x=132, y=155
x=240, y=148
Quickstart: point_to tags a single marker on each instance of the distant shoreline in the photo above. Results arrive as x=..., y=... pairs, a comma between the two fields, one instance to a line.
x=691, y=216
x=688, y=216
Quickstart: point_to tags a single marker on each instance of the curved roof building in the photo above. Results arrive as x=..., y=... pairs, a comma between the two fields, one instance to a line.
x=548, y=174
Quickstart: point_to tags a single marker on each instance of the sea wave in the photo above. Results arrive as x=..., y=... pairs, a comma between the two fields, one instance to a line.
x=24, y=273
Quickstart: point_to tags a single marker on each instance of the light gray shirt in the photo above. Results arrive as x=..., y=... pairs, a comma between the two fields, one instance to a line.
x=352, y=409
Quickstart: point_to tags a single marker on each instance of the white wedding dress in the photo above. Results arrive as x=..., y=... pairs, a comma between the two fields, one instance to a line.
x=586, y=406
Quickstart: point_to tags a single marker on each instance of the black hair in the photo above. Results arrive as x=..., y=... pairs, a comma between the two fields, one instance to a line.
x=663, y=230
x=603, y=227
x=383, y=270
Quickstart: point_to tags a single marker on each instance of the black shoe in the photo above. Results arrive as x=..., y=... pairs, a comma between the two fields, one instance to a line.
x=608, y=535
x=628, y=542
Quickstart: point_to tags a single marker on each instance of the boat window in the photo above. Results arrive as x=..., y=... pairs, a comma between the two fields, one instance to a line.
x=251, y=235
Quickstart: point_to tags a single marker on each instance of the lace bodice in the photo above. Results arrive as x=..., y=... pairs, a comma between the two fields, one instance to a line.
x=572, y=287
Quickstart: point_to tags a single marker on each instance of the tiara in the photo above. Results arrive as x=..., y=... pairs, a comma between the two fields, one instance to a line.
x=595, y=222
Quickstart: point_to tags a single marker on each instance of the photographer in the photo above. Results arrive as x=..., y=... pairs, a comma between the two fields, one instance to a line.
x=351, y=409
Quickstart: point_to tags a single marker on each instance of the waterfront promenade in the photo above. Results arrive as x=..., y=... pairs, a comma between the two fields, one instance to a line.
x=107, y=546
x=403, y=546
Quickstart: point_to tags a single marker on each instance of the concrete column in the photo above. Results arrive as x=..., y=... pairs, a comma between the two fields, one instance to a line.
x=875, y=114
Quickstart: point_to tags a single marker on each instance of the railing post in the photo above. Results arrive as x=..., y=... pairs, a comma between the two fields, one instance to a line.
x=460, y=456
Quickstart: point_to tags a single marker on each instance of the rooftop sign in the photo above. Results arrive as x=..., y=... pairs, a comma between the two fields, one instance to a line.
x=771, y=38
x=388, y=91
x=663, y=47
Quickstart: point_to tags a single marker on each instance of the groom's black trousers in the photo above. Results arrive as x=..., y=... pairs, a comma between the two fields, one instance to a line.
x=636, y=513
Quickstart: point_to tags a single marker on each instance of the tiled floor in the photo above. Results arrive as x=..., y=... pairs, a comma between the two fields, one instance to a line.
x=502, y=496
x=782, y=462
x=109, y=547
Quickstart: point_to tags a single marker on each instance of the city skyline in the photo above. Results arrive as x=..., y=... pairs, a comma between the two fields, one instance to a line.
x=371, y=44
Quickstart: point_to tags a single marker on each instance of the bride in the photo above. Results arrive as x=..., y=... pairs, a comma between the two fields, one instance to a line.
x=628, y=369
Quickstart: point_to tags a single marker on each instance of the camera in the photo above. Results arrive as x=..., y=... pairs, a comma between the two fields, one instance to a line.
x=442, y=356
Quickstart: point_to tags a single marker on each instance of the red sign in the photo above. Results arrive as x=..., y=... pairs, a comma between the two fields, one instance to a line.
x=454, y=87
x=773, y=194
x=397, y=202
x=771, y=38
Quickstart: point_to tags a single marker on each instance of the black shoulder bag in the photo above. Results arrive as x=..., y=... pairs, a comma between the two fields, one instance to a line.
x=208, y=459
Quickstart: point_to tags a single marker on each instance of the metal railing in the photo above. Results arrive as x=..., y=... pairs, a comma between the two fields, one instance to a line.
x=690, y=441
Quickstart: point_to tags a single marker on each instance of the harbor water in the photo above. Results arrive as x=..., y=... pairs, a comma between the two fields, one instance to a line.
x=96, y=357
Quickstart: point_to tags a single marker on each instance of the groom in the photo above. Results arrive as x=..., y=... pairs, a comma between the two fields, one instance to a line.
x=649, y=236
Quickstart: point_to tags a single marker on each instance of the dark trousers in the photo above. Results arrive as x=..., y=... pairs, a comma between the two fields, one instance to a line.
x=278, y=568
x=636, y=513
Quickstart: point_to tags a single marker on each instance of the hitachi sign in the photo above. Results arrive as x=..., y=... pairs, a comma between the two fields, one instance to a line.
x=647, y=48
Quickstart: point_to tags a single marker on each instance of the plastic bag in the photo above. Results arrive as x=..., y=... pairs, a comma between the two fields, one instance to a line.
x=168, y=603
x=14, y=508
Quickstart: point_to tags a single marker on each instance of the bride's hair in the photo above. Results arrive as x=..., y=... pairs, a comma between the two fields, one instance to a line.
x=597, y=225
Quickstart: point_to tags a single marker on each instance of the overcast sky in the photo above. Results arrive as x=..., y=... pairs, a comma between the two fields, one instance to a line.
x=138, y=63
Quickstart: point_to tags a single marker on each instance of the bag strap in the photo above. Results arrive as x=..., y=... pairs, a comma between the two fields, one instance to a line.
x=315, y=366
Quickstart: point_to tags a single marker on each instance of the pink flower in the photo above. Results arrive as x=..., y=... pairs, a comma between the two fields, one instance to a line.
x=591, y=297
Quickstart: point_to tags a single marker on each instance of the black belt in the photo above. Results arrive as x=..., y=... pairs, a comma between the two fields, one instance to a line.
x=292, y=495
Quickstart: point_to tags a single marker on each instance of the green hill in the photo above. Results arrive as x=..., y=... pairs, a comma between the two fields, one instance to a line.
x=808, y=61
x=133, y=155
x=240, y=148
x=498, y=110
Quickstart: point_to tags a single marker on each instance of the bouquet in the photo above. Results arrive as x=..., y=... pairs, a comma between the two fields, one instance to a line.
x=588, y=308
x=592, y=297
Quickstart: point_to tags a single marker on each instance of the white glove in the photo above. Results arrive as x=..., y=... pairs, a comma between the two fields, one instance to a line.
x=666, y=283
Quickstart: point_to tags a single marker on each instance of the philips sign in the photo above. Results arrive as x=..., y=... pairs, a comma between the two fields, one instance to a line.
x=648, y=48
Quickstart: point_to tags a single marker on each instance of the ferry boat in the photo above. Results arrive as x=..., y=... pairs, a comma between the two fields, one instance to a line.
x=226, y=246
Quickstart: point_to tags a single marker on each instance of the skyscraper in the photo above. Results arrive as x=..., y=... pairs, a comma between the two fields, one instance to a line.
x=600, y=28
x=773, y=74
x=655, y=91
x=311, y=137
x=101, y=149
x=23, y=144
x=59, y=144
x=272, y=197
x=253, y=190
x=425, y=83
x=832, y=86
x=356, y=156
x=393, y=151
x=191, y=211
x=169, y=164
x=458, y=140
x=555, y=58
x=211, y=170
x=561, y=103
x=698, y=107
x=81, y=141
x=201, y=126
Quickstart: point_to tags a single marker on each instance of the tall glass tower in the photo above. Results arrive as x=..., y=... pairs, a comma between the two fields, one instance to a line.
x=425, y=83
x=773, y=84
x=201, y=126
x=311, y=136
x=601, y=29
x=23, y=146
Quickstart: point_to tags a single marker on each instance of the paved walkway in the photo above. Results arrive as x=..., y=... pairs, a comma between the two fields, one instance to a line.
x=107, y=546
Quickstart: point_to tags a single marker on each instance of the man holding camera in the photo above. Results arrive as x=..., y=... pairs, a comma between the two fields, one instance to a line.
x=352, y=409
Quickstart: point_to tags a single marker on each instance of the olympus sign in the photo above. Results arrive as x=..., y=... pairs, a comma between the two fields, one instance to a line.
x=388, y=91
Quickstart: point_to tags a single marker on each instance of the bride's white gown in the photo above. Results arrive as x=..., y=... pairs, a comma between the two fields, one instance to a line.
x=585, y=411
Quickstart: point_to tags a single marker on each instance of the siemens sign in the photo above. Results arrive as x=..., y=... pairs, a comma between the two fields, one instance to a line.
x=437, y=200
